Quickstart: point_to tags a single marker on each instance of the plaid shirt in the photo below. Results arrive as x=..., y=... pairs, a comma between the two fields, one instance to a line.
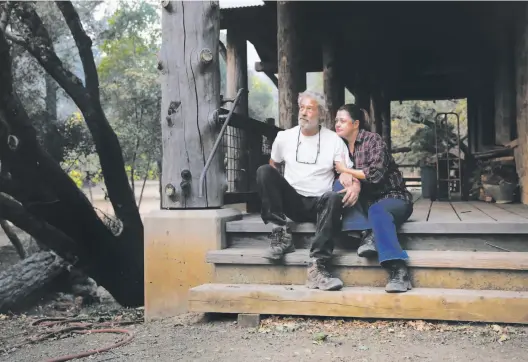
x=383, y=179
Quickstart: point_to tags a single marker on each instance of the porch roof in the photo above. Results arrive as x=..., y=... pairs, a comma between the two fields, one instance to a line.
x=422, y=50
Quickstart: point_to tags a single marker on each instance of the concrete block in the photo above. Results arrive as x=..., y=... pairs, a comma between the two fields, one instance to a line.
x=176, y=242
x=248, y=320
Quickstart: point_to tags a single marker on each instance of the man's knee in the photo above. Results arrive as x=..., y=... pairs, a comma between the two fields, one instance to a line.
x=264, y=172
x=331, y=198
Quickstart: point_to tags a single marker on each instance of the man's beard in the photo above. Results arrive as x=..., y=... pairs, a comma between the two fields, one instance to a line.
x=308, y=124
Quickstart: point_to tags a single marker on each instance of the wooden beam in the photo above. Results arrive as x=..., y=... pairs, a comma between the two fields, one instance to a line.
x=190, y=92
x=362, y=302
x=237, y=77
x=292, y=76
x=272, y=67
x=334, y=88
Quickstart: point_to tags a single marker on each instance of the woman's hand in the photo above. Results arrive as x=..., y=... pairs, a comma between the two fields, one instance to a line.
x=340, y=167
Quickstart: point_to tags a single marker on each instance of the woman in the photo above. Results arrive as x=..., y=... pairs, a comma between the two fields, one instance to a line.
x=388, y=202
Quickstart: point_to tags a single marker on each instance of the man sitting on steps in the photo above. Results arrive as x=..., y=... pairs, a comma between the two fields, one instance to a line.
x=304, y=194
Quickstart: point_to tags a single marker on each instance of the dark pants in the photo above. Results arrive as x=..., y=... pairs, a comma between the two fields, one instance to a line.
x=280, y=198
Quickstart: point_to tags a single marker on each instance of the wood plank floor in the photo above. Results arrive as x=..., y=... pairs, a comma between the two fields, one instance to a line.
x=457, y=217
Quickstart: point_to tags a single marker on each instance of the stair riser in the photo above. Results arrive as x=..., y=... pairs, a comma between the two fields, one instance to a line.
x=449, y=278
x=513, y=242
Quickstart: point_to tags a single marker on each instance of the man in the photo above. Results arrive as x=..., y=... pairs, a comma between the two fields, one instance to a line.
x=304, y=194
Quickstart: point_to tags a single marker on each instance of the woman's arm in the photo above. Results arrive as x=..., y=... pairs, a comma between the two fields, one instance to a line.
x=377, y=162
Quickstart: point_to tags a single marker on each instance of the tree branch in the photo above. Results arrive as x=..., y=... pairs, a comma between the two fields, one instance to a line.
x=87, y=99
x=12, y=210
x=13, y=237
x=41, y=47
x=4, y=18
x=84, y=45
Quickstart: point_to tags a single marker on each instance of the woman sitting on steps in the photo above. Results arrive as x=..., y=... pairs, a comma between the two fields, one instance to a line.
x=383, y=190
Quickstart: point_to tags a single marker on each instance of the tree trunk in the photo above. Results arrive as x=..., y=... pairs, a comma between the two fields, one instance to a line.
x=190, y=96
x=47, y=193
x=27, y=281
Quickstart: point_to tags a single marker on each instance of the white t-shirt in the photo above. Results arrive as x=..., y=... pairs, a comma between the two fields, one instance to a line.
x=307, y=178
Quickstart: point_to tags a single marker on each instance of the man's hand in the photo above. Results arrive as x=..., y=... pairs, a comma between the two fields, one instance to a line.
x=346, y=180
x=351, y=195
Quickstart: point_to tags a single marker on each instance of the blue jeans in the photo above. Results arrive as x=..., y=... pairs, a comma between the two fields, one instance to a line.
x=383, y=218
x=386, y=216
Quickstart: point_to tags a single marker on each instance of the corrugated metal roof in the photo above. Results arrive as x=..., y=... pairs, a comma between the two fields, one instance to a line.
x=234, y=4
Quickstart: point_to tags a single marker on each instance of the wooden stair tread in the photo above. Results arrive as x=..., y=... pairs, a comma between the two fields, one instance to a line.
x=362, y=302
x=252, y=223
x=417, y=258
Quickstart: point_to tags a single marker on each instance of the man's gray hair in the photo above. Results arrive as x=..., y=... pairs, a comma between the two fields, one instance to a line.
x=319, y=98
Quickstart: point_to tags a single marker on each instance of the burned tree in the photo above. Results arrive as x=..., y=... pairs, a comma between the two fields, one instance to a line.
x=38, y=196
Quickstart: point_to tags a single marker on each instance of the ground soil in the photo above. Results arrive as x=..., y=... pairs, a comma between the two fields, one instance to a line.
x=194, y=337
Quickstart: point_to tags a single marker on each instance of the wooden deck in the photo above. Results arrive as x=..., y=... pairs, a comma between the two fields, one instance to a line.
x=438, y=217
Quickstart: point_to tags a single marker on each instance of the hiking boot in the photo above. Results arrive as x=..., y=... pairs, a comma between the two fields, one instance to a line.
x=281, y=242
x=367, y=248
x=320, y=278
x=399, y=280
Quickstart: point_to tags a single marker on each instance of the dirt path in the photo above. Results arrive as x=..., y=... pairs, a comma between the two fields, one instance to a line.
x=194, y=338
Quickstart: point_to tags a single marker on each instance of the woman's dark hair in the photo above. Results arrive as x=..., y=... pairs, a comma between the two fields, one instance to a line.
x=357, y=114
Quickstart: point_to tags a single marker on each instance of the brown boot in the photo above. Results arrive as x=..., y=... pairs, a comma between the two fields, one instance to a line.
x=320, y=278
x=281, y=242
x=399, y=280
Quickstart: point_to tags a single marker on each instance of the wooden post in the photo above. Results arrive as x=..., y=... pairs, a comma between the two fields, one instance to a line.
x=521, y=86
x=334, y=89
x=376, y=105
x=190, y=84
x=237, y=77
x=292, y=77
x=504, y=88
x=385, y=115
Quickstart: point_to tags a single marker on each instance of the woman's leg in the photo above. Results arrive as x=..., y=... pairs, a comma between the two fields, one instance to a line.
x=355, y=222
x=385, y=217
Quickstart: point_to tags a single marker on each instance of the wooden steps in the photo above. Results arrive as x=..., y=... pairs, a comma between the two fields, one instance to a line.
x=363, y=302
x=468, y=262
x=429, y=269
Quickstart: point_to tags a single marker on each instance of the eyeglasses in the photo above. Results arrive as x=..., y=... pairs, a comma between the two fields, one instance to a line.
x=318, y=149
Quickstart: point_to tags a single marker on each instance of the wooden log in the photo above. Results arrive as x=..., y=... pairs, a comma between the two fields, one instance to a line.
x=237, y=77
x=24, y=283
x=190, y=97
x=292, y=76
x=334, y=89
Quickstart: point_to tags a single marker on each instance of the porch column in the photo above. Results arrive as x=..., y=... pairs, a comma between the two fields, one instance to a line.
x=190, y=42
x=292, y=76
x=385, y=114
x=504, y=88
x=334, y=88
x=521, y=86
x=236, y=78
